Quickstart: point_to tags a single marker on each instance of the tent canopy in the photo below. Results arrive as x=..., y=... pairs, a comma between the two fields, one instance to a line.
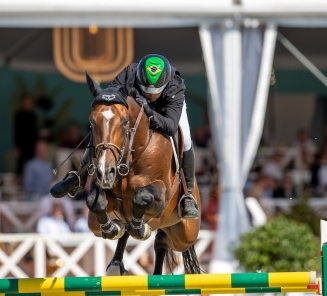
x=169, y=13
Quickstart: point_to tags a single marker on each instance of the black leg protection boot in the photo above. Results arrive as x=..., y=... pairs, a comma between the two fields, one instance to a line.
x=72, y=183
x=188, y=202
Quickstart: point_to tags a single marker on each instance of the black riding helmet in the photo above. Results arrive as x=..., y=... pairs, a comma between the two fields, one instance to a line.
x=153, y=73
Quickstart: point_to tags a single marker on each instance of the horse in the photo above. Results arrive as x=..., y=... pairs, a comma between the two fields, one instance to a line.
x=136, y=190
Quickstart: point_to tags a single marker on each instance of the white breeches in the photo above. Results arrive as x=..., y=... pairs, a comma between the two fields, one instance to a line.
x=183, y=122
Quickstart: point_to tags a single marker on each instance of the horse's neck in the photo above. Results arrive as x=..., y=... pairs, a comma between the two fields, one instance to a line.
x=142, y=132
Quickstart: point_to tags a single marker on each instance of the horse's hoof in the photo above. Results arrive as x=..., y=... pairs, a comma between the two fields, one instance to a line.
x=121, y=228
x=147, y=232
x=140, y=234
x=117, y=232
x=116, y=268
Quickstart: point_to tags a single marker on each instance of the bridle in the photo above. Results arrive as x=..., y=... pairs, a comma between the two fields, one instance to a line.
x=122, y=168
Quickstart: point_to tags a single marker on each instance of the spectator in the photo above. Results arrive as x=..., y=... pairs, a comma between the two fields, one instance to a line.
x=54, y=223
x=211, y=212
x=46, y=203
x=25, y=133
x=200, y=138
x=274, y=167
x=81, y=225
x=257, y=190
x=72, y=137
x=314, y=182
x=270, y=187
x=304, y=151
x=287, y=189
x=322, y=174
x=38, y=171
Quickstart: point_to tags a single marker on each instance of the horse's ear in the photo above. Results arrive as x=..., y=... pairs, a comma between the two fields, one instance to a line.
x=93, y=86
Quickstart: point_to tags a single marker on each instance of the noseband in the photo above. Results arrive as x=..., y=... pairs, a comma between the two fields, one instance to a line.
x=122, y=168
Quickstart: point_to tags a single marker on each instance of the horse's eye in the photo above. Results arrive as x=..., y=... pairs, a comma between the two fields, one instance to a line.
x=126, y=122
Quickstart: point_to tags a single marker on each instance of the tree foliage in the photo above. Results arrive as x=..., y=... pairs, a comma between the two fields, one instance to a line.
x=279, y=245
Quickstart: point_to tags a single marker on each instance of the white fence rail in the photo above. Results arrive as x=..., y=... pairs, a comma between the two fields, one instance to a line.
x=30, y=255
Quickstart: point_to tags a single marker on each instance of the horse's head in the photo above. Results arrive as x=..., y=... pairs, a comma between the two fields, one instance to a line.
x=109, y=121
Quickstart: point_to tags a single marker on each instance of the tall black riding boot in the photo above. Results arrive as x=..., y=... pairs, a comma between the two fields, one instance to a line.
x=188, y=202
x=72, y=183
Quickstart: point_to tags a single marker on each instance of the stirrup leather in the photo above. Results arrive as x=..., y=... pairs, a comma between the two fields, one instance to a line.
x=179, y=214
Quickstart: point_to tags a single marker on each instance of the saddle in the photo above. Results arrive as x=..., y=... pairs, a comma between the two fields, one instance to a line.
x=178, y=141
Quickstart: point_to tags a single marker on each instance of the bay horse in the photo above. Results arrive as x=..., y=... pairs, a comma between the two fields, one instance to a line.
x=136, y=190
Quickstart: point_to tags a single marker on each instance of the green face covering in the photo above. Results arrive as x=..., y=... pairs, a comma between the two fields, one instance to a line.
x=154, y=67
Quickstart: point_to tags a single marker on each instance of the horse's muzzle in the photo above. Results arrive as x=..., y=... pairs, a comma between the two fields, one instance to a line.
x=107, y=178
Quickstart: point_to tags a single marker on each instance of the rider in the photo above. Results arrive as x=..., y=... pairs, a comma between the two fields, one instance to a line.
x=163, y=99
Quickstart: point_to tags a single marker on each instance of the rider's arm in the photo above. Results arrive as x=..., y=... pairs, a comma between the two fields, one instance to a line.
x=168, y=119
x=123, y=76
x=166, y=124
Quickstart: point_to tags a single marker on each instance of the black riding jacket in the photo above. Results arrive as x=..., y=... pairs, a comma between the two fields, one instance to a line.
x=167, y=108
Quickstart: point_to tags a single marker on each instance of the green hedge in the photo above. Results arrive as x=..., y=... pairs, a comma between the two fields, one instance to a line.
x=279, y=245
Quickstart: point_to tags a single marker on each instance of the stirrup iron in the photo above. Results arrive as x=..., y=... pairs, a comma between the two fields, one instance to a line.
x=179, y=214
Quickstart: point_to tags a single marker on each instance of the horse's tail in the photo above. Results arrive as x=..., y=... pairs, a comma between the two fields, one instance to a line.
x=190, y=260
x=171, y=260
x=191, y=263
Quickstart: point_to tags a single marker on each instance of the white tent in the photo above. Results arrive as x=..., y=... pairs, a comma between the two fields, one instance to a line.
x=147, y=13
x=238, y=58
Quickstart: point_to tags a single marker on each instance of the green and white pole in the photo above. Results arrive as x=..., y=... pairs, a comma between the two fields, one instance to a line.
x=323, y=234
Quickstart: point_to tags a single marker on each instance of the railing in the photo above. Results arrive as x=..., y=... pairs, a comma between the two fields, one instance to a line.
x=22, y=216
x=34, y=255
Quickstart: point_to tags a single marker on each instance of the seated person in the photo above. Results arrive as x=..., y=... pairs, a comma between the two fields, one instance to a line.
x=81, y=224
x=54, y=223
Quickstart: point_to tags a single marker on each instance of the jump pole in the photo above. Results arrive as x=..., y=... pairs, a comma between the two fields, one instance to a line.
x=237, y=283
x=323, y=235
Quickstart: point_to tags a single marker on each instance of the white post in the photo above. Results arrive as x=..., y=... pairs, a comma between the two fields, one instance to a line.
x=323, y=231
x=100, y=257
x=40, y=258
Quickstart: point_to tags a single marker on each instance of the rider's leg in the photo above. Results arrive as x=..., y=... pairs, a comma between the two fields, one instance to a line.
x=189, y=205
x=73, y=183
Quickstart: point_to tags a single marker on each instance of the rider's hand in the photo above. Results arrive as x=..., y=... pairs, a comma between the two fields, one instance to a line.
x=142, y=101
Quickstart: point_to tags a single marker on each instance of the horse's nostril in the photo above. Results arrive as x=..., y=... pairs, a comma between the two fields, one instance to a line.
x=110, y=172
x=99, y=173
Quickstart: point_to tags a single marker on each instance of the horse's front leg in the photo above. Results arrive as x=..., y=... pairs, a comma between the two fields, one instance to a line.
x=160, y=249
x=150, y=199
x=97, y=204
x=116, y=266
